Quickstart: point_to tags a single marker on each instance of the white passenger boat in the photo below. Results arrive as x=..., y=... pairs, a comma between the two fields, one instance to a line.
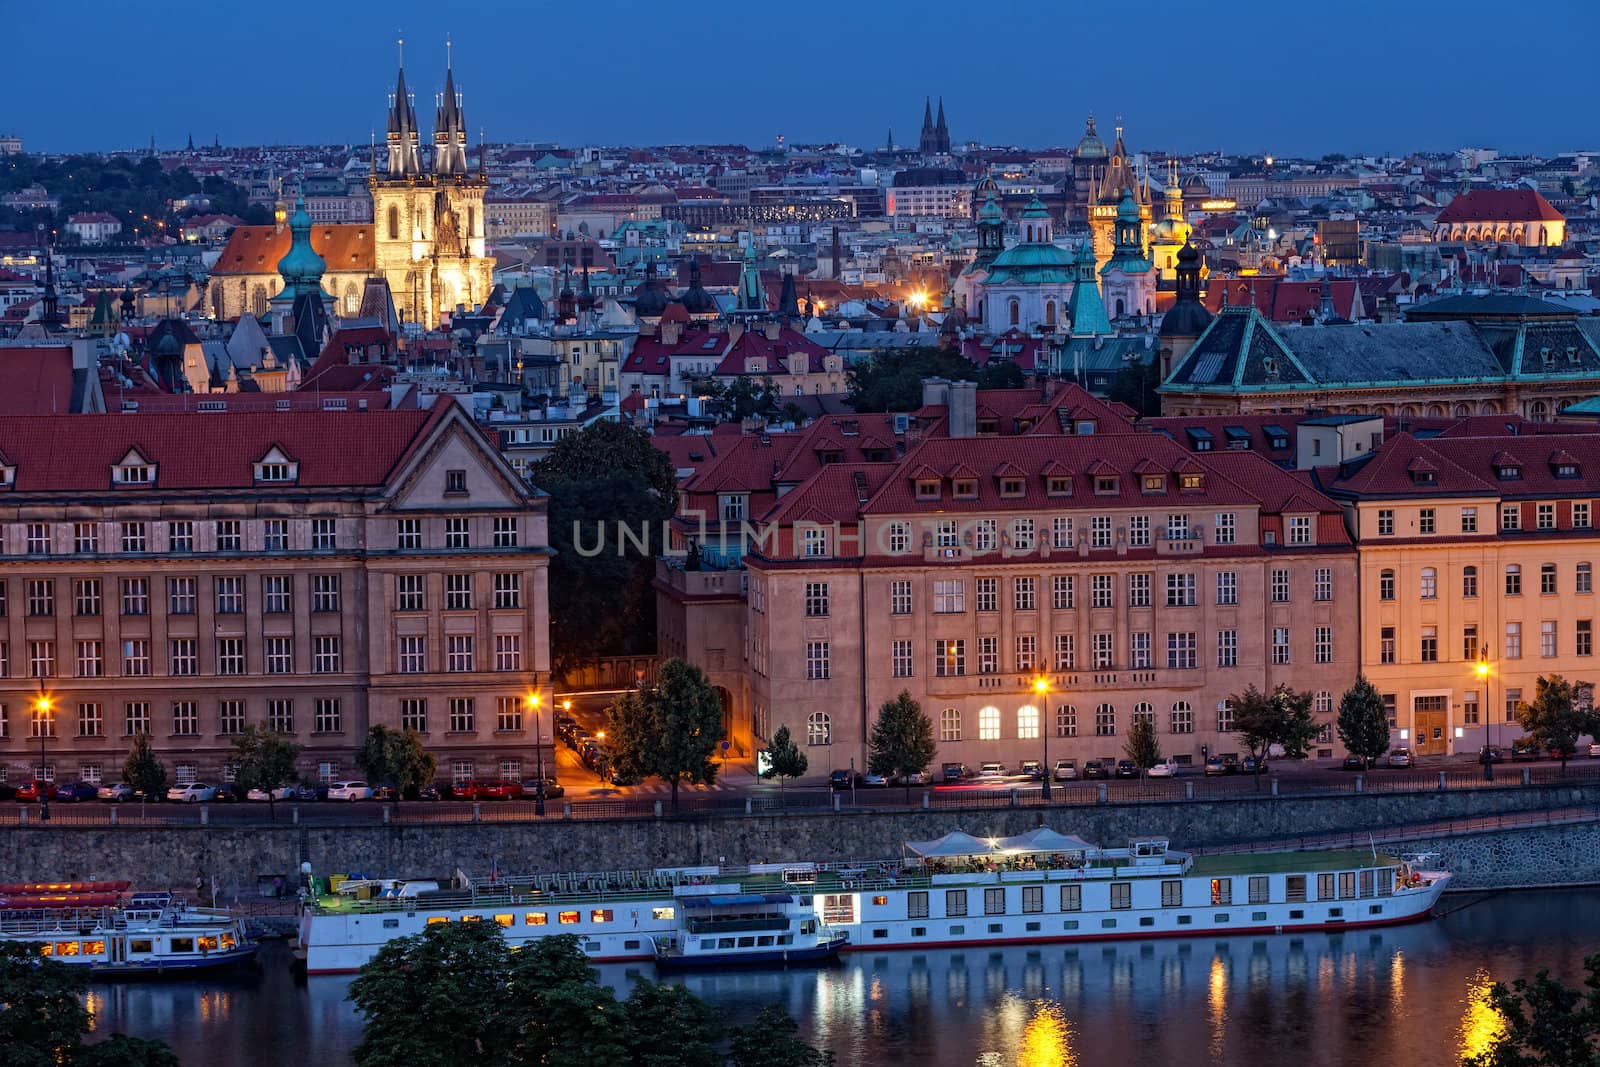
x=748, y=930
x=103, y=928
x=954, y=891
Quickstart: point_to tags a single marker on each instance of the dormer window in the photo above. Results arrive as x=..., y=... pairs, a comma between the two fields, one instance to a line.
x=1192, y=482
x=1154, y=483
x=1546, y=356
x=927, y=488
x=964, y=488
x=8, y=476
x=1508, y=472
x=988, y=426
x=133, y=474
x=1011, y=486
x=455, y=482
x=1572, y=354
x=276, y=467
x=1105, y=485
x=1566, y=470
x=1059, y=485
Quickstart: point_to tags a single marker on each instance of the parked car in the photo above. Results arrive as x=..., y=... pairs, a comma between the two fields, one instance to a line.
x=1216, y=767
x=36, y=789
x=1167, y=768
x=193, y=793
x=1524, y=749
x=1254, y=764
x=1095, y=769
x=1230, y=763
x=310, y=791
x=1491, y=754
x=1066, y=770
x=1032, y=768
x=954, y=772
x=117, y=793
x=283, y=792
x=226, y=793
x=1353, y=763
x=1401, y=757
x=352, y=790
x=1126, y=768
x=838, y=780
x=436, y=791
x=991, y=772
x=385, y=792
x=553, y=789
x=868, y=780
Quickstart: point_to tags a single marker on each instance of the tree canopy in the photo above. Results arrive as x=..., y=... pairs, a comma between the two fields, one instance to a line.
x=1282, y=718
x=1363, y=723
x=144, y=771
x=396, y=757
x=1554, y=718
x=43, y=1018
x=902, y=741
x=1543, y=1022
x=668, y=728
x=455, y=994
x=136, y=189
x=892, y=380
x=1142, y=746
x=784, y=758
x=264, y=759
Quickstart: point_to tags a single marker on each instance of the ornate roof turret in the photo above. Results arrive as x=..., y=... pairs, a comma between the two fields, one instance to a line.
x=788, y=299
x=752, y=297
x=695, y=299
x=450, y=126
x=404, y=142
x=651, y=301
x=1090, y=146
x=301, y=267
x=1187, y=317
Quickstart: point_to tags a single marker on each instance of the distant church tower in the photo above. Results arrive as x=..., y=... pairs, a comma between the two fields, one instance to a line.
x=1105, y=201
x=935, y=134
x=429, y=236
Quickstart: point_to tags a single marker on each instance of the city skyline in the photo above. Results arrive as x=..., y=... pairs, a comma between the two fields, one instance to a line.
x=722, y=78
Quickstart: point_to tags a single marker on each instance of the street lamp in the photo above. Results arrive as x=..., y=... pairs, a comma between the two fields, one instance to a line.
x=538, y=747
x=600, y=762
x=1041, y=686
x=1488, y=709
x=42, y=707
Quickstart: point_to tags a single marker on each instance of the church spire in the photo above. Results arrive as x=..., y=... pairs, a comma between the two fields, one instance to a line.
x=404, y=142
x=450, y=125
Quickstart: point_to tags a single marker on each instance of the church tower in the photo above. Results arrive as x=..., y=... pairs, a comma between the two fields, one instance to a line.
x=428, y=226
x=1105, y=199
x=1172, y=232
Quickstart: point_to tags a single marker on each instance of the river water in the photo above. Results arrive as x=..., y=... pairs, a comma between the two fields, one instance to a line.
x=1405, y=995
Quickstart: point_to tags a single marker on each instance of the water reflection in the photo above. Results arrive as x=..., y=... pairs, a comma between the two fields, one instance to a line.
x=1415, y=993
x=1481, y=1024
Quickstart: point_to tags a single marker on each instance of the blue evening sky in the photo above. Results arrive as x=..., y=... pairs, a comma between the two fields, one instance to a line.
x=1253, y=75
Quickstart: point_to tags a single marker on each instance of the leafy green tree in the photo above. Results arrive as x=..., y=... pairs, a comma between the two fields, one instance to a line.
x=43, y=1019
x=744, y=396
x=1142, y=746
x=605, y=478
x=668, y=1026
x=120, y=1050
x=1135, y=385
x=1546, y=1023
x=264, y=759
x=1363, y=723
x=784, y=758
x=770, y=1041
x=144, y=771
x=437, y=997
x=892, y=381
x=396, y=757
x=668, y=728
x=902, y=741
x=1282, y=717
x=1553, y=719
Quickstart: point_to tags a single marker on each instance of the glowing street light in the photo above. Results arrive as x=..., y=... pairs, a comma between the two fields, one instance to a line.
x=538, y=746
x=1041, y=687
x=1483, y=672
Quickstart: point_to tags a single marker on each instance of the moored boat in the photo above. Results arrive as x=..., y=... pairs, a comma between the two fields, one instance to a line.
x=953, y=891
x=101, y=927
x=748, y=930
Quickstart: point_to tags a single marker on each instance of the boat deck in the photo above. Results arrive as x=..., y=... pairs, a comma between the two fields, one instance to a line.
x=1287, y=863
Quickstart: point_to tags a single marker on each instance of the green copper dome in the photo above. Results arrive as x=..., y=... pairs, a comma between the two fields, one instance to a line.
x=1036, y=210
x=301, y=267
x=1036, y=264
x=990, y=211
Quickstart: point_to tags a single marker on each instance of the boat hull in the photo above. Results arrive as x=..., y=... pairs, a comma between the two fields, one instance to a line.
x=216, y=961
x=792, y=957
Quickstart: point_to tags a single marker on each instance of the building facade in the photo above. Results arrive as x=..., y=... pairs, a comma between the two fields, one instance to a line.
x=184, y=576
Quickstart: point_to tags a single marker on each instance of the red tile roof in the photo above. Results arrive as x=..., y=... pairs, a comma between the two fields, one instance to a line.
x=344, y=246
x=1471, y=466
x=35, y=380
x=1500, y=205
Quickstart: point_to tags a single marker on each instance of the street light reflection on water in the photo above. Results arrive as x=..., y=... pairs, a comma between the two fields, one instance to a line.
x=1481, y=1023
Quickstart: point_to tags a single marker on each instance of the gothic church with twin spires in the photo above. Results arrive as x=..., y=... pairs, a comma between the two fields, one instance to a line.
x=426, y=238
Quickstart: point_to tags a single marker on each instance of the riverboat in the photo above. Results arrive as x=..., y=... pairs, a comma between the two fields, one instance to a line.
x=954, y=891
x=748, y=930
x=110, y=932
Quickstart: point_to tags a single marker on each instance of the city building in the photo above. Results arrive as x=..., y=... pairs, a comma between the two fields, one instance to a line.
x=1501, y=216
x=187, y=575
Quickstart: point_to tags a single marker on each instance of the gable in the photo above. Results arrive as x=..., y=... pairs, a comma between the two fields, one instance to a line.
x=454, y=468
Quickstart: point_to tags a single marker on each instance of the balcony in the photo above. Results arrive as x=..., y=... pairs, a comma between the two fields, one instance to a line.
x=671, y=575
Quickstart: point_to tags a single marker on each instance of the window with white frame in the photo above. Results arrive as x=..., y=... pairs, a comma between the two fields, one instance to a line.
x=457, y=532
x=507, y=588
x=458, y=592
x=230, y=655
x=1182, y=719
x=279, y=654
x=1280, y=644
x=327, y=716
x=1065, y=658
x=1022, y=535
x=1227, y=648
x=185, y=718
x=280, y=716
x=506, y=532
x=184, y=661
x=408, y=534
x=508, y=714
x=899, y=538
x=324, y=535
x=229, y=594
x=41, y=597
x=817, y=662
x=1299, y=530
x=1061, y=532
x=91, y=659
x=136, y=657
x=1102, y=654
x=1027, y=652
x=277, y=594
x=1105, y=720
x=1280, y=585
x=414, y=714
x=949, y=658
x=1100, y=531
x=136, y=718
x=1322, y=586
x=38, y=539
x=1225, y=712
x=1139, y=589
x=180, y=536
x=1323, y=644
x=816, y=599
x=508, y=652
x=1063, y=592
x=1224, y=528
x=1022, y=594
x=819, y=728
x=1101, y=590
x=1139, y=531
x=950, y=725
x=86, y=597
x=275, y=535
x=1139, y=650
x=85, y=538
x=1066, y=721
x=1182, y=650
x=1180, y=589
x=949, y=596
x=814, y=540
x=1227, y=587
x=91, y=720
x=410, y=592
x=324, y=592
x=230, y=535
x=1027, y=723
x=135, y=596
x=326, y=655
x=989, y=724
x=458, y=653
x=230, y=717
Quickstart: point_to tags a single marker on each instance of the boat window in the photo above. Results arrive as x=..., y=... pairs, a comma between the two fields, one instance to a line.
x=434, y=920
x=1297, y=913
x=68, y=948
x=1147, y=920
x=1121, y=895
x=1375, y=909
x=917, y=904
x=1222, y=890
x=994, y=901
x=880, y=899
x=1220, y=917
x=503, y=920
x=391, y=924
x=471, y=918
x=1072, y=898
x=747, y=942
x=94, y=948
x=1185, y=920
x=591, y=947
x=1347, y=884
x=1366, y=883
x=1033, y=927
x=600, y=915
x=567, y=918
x=1294, y=888
x=534, y=918
x=1258, y=916
x=1258, y=889
x=630, y=945
x=48, y=949
x=958, y=930
x=724, y=942
x=764, y=941
x=208, y=944
x=1334, y=913
x=229, y=941
x=1108, y=924
x=1324, y=887
x=785, y=939
x=183, y=944
x=662, y=913
x=138, y=946
x=1069, y=924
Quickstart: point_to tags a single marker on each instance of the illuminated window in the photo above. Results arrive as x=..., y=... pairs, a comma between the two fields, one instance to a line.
x=567, y=918
x=537, y=918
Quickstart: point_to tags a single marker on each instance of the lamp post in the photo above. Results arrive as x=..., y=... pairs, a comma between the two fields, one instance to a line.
x=538, y=748
x=1041, y=686
x=1488, y=710
x=42, y=706
x=600, y=761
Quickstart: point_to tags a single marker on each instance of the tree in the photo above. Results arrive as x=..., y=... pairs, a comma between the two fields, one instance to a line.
x=668, y=1026
x=1544, y=1023
x=1553, y=718
x=892, y=381
x=1142, y=747
x=744, y=396
x=264, y=759
x=668, y=729
x=605, y=478
x=43, y=1018
x=1282, y=718
x=770, y=1041
x=1363, y=723
x=396, y=757
x=436, y=997
x=144, y=771
x=1135, y=385
x=902, y=741
x=784, y=758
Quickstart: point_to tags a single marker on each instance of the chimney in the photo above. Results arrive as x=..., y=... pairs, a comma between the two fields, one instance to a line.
x=671, y=332
x=963, y=409
x=773, y=328
x=735, y=331
x=935, y=391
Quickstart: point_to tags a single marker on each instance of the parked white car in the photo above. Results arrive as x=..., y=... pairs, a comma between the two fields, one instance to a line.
x=117, y=793
x=991, y=772
x=349, y=791
x=1167, y=768
x=193, y=793
x=283, y=792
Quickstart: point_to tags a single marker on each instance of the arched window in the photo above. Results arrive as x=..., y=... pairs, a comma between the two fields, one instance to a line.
x=1050, y=312
x=1120, y=307
x=819, y=729
x=1430, y=584
x=1105, y=720
x=258, y=300
x=394, y=222
x=1143, y=712
x=1538, y=412
x=1513, y=579
x=1016, y=313
x=1182, y=718
x=1028, y=723
x=1066, y=721
x=1462, y=410
x=950, y=724
x=352, y=298
x=989, y=724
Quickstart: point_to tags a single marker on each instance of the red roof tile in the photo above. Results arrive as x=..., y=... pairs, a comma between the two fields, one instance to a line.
x=1500, y=205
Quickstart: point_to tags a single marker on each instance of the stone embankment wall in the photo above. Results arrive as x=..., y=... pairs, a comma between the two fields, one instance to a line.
x=1518, y=859
x=237, y=856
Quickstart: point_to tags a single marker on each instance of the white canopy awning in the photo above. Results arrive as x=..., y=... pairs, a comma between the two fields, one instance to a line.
x=954, y=843
x=1043, y=839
